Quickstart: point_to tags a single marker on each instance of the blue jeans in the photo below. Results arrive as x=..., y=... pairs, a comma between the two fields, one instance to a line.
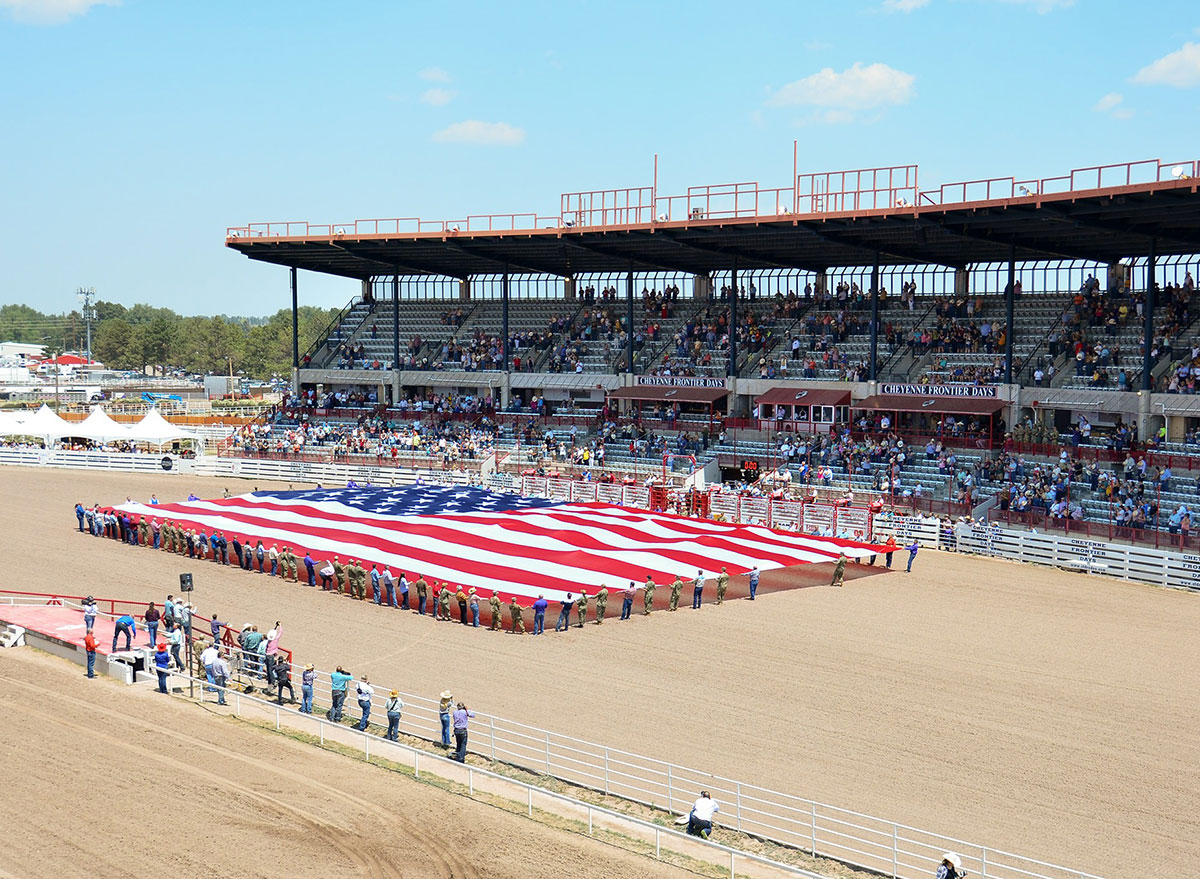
x=375, y=592
x=539, y=623
x=404, y=599
x=208, y=674
x=421, y=605
x=152, y=628
x=753, y=588
x=335, y=710
x=366, y=714
x=391, y=596
x=445, y=718
x=156, y=539
x=696, y=594
x=162, y=681
x=911, y=556
x=564, y=621
x=79, y=516
x=91, y=656
x=121, y=627
x=306, y=693
x=220, y=681
x=274, y=567
x=626, y=608
x=393, y=731
x=475, y=615
x=175, y=656
x=460, y=745
x=312, y=575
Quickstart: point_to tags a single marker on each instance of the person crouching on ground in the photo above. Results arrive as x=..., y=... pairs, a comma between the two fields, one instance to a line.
x=701, y=817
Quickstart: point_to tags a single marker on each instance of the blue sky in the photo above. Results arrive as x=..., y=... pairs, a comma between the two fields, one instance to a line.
x=135, y=132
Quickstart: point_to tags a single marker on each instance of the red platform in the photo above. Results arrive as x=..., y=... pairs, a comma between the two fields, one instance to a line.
x=65, y=624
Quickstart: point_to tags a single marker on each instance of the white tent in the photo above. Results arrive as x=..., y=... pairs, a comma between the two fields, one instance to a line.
x=156, y=430
x=43, y=423
x=98, y=427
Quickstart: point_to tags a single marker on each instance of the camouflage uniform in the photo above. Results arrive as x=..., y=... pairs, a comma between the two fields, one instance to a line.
x=444, y=603
x=839, y=571
x=722, y=585
x=601, y=604
x=582, y=605
x=497, y=622
x=338, y=570
x=648, y=595
x=514, y=613
x=676, y=588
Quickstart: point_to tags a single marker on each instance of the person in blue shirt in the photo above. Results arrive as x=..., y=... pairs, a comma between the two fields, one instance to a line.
x=539, y=615
x=564, y=615
x=338, y=681
x=375, y=583
x=310, y=567
x=753, y=581
x=161, y=663
x=79, y=516
x=128, y=625
x=912, y=554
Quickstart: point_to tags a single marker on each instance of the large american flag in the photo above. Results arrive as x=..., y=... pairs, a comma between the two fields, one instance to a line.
x=513, y=544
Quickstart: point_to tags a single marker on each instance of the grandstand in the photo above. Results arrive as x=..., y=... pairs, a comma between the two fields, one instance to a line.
x=957, y=321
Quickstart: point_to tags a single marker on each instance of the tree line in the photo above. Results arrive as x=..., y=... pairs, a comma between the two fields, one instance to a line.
x=157, y=340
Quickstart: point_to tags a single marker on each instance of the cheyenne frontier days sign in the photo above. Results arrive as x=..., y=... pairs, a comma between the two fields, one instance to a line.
x=941, y=390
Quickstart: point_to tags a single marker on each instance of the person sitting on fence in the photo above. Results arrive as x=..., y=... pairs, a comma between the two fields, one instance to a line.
x=700, y=819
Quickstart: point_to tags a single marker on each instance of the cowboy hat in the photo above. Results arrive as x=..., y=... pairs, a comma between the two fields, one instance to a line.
x=955, y=860
x=309, y=667
x=395, y=692
x=446, y=694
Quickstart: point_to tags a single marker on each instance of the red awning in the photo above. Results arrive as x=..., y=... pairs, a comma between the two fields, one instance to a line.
x=795, y=396
x=944, y=405
x=658, y=394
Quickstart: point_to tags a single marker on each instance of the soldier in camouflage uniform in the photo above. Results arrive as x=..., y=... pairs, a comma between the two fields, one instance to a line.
x=601, y=604
x=358, y=580
x=143, y=532
x=676, y=588
x=722, y=584
x=648, y=594
x=515, y=615
x=168, y=536
x=444, y=603
x=581, y=604
x=839, y=570
x=494, y=603
x=338, y=570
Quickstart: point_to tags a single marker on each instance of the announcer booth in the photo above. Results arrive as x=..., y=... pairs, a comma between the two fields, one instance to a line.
x=966, y=421
x=804, y=410
x=672, y=402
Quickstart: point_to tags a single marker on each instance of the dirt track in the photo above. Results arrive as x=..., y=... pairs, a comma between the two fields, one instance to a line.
x=1055, y=715
x=234, y=801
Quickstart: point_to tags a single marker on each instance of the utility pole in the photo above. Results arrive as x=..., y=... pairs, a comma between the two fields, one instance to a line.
x=86, y=295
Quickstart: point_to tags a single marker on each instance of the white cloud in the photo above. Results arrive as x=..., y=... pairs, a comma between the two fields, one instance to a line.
x=50, y=11
x=1111, y=104
x=1042, y=6
x=903, y=5
x=438, y=97
x=856, y=88
x=482, y=133
x=434, y=74
x=1180, y=68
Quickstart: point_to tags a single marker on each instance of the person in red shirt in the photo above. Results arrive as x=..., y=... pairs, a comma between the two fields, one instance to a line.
x=89, y=644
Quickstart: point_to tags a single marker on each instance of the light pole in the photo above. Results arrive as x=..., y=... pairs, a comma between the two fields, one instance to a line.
x=85, y=295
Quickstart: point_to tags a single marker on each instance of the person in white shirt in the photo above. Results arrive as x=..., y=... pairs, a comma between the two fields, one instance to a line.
x=208, y=658
x=701, y=817
x=365, y=691
x=89, y=613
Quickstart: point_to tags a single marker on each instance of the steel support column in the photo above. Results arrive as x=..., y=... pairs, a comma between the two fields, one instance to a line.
x=629, y=320
x=1148, y=326
x=295, y=323
x=733, y=318
x=1010, y=297
x=504, y=318
x=396, y=321
x=873, y=362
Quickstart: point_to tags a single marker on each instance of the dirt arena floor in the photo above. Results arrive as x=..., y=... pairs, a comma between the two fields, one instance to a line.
x=239, y=801
x=1055, y=715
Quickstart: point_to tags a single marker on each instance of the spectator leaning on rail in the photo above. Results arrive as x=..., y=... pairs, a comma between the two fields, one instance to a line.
x=950, y=867
x=338, y=681
x=461, y=716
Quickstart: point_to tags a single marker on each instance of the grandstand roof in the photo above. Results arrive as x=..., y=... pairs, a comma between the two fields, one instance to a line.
x=947, y=405
x=655, y=393
x=1100, y=224
x=793, y=396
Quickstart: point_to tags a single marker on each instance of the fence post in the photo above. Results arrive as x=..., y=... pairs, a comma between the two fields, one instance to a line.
x=732, y=874
x=547, y=753
x=492, y=731
x=895, y=850
x=367, y=747
x=670, y=790
x=739, y=806
x=657, y=844
x=814, y=828
x=237, y=703
x=471, y=781
x=606, y=771
x=983, y=863
x=276, y=720
x=530, y=791
x=589, y=820
x=321, y=728
x=416, y=764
